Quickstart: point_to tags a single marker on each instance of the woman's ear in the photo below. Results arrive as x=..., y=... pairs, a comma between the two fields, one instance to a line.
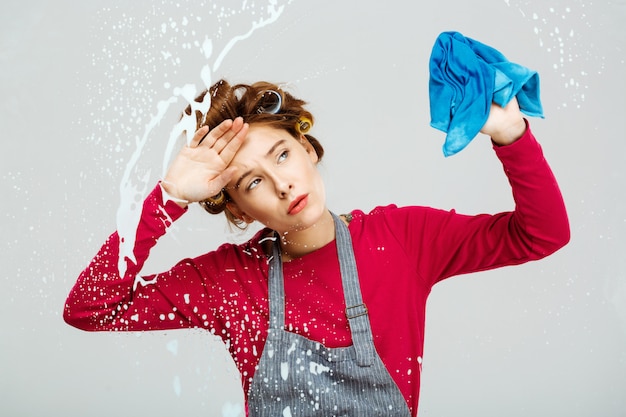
x=236, y=211
x=309, y=149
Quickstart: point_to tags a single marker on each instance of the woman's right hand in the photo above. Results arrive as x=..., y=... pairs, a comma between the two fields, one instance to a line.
x=200, y=170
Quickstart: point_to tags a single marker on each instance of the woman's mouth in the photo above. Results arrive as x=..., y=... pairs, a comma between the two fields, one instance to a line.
x=298, y=204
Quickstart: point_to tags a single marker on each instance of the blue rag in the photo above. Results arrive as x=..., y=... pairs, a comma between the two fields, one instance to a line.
x=465, y=77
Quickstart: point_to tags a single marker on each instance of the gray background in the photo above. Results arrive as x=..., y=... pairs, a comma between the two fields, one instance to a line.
x=80, y=82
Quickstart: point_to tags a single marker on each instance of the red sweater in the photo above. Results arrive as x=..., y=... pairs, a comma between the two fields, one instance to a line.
x=400, y=253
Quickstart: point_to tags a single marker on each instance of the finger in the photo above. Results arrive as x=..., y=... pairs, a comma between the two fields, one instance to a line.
x=231, y=148
x=221, y=181
x=227, y=137
x=199, y=136
x=237, y=124
x=214, y=134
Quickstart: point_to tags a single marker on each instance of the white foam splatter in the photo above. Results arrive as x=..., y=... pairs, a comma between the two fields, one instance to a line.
x=172, y=346
x=124, y=112
x=231, y=410
x=561, y=34
x=132, y=193
x=317, y=368
x=274, y=15
x=284, y=370
x=177, y=386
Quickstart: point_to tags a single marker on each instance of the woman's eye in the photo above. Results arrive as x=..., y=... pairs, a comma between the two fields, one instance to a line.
x=283, y=156
x=253, y=183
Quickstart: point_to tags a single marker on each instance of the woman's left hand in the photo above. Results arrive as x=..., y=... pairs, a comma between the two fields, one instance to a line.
x=505, y=124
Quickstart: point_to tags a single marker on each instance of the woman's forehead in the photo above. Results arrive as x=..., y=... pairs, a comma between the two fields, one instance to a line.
x=259, y=142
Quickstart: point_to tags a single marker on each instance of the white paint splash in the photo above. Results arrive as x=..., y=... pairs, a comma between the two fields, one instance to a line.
x=317, y=368
x=563, y=34
x=137, y=96
x=284, y=370
x=135, y=184
x=232, y=410
x=274, y=15
x=172, y=346
x=177, y=386
x=132, y=193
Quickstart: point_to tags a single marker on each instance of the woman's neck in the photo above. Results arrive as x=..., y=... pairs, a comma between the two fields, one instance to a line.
x=295, y=244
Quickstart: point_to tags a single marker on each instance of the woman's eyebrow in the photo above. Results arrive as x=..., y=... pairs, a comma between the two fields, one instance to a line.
x=273, y=148
x=268, y=153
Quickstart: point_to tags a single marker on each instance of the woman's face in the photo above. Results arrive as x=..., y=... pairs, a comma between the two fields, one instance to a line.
x=277, y=182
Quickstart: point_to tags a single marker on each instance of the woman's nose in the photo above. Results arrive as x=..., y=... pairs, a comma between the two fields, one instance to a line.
x=283, y=186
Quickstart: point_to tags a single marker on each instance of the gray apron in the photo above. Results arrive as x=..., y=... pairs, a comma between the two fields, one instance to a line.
x=299, y=377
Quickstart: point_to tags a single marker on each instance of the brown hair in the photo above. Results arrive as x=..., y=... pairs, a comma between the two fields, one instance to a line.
x=242, y=100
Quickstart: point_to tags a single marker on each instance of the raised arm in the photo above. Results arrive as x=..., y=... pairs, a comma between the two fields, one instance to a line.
x=445, y=243
x=101, y=299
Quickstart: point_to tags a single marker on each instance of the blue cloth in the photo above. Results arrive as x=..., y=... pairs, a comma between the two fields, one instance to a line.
x=465, y=77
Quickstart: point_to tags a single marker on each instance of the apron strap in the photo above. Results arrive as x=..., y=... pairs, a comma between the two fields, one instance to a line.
x=276, y=287
x=356, y=311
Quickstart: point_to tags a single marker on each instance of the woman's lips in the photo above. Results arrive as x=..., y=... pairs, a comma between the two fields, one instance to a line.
x=298, y=204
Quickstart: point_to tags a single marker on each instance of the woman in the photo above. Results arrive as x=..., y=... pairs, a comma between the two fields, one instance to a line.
x=305, y=305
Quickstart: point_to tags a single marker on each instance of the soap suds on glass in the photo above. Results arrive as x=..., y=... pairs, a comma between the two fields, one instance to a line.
x=138, y=93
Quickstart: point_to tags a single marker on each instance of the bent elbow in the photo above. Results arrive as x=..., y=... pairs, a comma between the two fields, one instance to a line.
x=74, y=318
x=70, y=318
x=558, y=238
x=562, y=234
x=566, y=236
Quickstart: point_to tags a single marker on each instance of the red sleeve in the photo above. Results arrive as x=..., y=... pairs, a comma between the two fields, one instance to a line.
x=444, y=243
x=101, y=299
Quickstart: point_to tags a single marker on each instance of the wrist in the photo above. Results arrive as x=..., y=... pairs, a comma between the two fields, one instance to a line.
x=511, y=133
x=168, y=190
